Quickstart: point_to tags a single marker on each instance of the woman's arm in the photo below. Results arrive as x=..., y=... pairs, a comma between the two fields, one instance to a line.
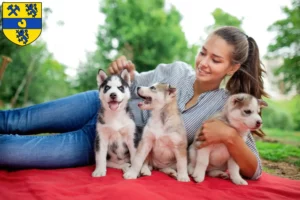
x=137, y=79
x=245, y=154
x=162, y=73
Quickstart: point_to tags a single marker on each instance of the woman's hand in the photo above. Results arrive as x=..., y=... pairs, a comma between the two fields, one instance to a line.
x=215, y=131
x=121, y=63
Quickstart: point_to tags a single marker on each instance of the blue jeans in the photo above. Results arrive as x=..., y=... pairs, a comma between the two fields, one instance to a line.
x=72, y=120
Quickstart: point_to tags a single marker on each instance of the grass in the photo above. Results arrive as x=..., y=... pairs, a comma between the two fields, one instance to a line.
x=279, y=152
x=268, y=170
x=283, y=136
x=285, y=146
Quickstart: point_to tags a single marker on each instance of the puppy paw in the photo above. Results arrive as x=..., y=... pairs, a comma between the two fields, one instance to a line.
x=183, y=177
x=198, y=177
x=99, y=172
x=224, y=176
x=190, y=169
x=125, y=167
x=130, y=174
x=173, y=174
x=145, y=171
x=219, y=174
x=239, y=181
x=170, y=172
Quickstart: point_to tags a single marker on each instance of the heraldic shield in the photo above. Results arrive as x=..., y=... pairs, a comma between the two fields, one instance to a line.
x=22, y=22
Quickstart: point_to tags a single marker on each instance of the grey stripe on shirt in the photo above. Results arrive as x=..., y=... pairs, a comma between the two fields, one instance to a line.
x=182, y=76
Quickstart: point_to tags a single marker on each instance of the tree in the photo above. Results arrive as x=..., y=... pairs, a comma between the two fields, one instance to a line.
x=222, y=18
x=34, y=76
x=287, y=46
x=87, y=72
x=144, y=31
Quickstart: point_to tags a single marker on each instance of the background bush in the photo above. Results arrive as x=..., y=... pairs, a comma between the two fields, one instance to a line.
x=275, y=116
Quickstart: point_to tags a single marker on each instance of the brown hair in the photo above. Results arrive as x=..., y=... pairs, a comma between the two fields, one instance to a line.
x=248, y=79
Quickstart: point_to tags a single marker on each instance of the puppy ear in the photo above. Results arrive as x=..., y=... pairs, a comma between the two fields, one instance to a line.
x=237, y=99
x=101, y=76
x=126, y=76
x=172, y=91
x=262, y=103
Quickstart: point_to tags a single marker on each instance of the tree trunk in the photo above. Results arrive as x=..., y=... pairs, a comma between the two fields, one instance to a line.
x=28, y=82
x=23, y=83
x=5, y=61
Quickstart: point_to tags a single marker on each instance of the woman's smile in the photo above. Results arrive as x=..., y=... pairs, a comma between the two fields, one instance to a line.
x=202, y=72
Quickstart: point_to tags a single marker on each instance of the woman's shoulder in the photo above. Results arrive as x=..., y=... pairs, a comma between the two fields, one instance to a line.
x=176, y=67
x=221, y=96
x=225, y=93
x=181, y=66
x=221, y=93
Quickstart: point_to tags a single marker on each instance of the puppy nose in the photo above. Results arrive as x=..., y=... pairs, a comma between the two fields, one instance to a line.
x=113, y=95
x=258, y=123
x=138, y=88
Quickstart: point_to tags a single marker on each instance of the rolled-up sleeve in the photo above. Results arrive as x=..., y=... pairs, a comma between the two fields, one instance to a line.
x=163, y=73
x=251, y=144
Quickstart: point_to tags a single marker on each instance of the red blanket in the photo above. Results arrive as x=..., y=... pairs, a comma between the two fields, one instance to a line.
x=77, y=183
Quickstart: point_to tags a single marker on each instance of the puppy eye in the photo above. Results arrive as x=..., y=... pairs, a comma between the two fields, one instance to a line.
x=121, y=88
x=152, y=88
x=248, y=112
x=106, y=88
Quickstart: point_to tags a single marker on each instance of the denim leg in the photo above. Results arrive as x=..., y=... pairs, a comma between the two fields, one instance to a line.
x=63, y=150
x=61, y=115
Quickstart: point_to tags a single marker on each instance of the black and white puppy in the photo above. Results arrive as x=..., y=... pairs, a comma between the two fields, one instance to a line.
x=116, y=141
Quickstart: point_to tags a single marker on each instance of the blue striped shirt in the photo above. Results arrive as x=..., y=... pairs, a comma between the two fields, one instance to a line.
x=182, y=76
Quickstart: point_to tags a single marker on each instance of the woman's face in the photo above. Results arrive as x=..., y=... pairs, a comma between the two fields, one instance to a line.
x=213, y=62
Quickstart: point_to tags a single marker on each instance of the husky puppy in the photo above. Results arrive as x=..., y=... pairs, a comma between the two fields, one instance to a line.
x=241, y=111
x=115, y=141
x=164, y=139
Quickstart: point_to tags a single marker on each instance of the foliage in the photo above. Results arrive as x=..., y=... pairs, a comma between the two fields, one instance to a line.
x=36, y=75
x=282, y=114
x=283, y=136
x=287, y=46
x=222, y=18
x=144, y=31
x=275, y=116
x=88, y=71
x=293, y=107
x=279, y=152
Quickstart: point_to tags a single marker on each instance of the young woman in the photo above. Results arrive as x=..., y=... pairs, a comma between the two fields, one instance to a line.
x=226, y=52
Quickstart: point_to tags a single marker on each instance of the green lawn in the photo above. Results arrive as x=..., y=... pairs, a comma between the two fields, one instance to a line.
x=284, y=136
x=279, y=152
x=285, y=148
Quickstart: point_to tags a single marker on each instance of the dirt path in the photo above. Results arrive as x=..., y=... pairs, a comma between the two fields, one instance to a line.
x=281, y=169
